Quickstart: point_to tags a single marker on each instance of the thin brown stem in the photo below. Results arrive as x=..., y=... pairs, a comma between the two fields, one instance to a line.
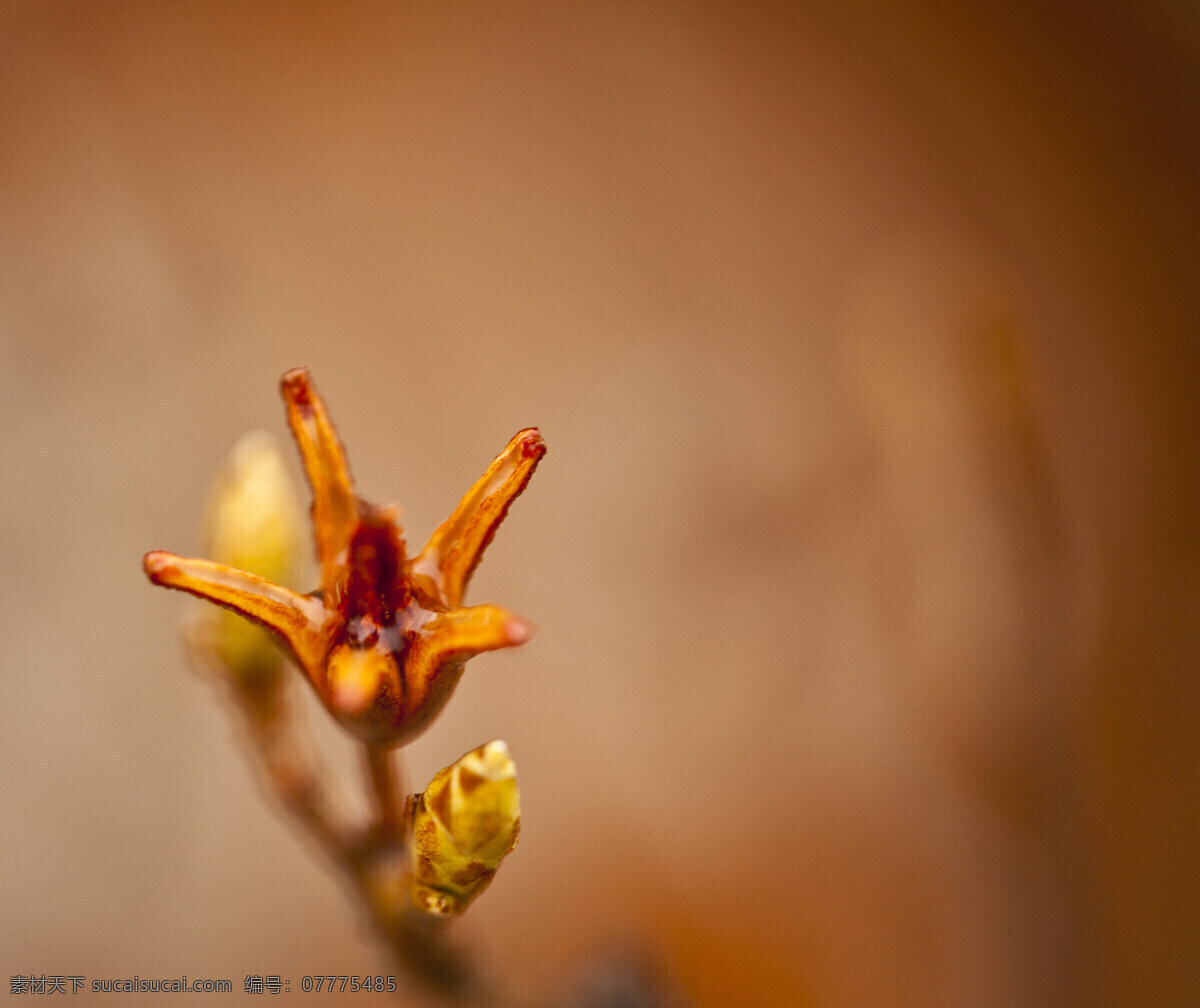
x=385, y=787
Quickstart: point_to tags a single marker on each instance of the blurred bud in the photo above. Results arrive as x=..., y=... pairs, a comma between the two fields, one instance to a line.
x=254, y=522
x=462, y=827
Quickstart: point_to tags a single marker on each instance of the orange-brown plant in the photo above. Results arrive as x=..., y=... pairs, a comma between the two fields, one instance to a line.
x=383, y=642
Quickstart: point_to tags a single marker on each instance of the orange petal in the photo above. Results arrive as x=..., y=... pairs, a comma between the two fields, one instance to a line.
x=296, y=618
x=335, y=507
x=444, y=567
x=472, y=630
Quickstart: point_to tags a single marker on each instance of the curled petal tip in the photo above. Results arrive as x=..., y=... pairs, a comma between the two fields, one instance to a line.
x=157, y=564
x=518, y=631
x=530, y=440
x=295, y=383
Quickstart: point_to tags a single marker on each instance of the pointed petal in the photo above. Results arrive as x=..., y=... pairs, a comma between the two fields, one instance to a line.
x=335, y=507
x=296, y=618
x=444, y=567
x=472, y=630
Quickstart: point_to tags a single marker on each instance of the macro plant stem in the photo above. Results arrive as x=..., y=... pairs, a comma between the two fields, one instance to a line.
x=385, y=788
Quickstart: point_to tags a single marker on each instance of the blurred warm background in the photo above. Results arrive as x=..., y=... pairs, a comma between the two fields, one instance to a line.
x=864, y=559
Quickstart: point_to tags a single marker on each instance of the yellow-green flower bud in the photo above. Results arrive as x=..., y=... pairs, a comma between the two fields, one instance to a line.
x=254, y=522
x=463, y=825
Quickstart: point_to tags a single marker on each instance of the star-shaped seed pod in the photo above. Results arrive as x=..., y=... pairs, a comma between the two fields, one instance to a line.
x=385, y=638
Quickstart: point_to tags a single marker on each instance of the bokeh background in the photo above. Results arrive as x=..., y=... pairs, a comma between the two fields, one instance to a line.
x=863, y=337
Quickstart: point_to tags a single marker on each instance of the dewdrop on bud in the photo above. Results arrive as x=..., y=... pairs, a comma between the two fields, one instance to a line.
x=254, y=522
x=463, y=826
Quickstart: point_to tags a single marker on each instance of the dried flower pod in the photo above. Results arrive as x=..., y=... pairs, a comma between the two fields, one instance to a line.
x=384, y=640
x=462, y=827
x=253, y=522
